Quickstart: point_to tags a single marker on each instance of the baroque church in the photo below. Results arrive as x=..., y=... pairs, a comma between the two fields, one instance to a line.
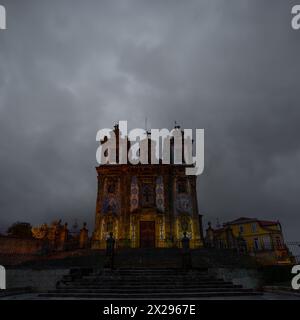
x=146, y=205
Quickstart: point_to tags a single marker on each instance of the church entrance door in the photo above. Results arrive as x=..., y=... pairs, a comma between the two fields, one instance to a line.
x=147, y=234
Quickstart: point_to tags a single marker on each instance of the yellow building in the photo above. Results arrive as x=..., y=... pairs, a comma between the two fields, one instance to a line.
x=260, y=238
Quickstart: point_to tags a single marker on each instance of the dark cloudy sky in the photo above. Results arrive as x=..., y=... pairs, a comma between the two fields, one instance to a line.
x=69, y=68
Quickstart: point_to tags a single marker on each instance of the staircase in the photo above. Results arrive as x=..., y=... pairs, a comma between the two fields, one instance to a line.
x=144, y=283
x=143, y=258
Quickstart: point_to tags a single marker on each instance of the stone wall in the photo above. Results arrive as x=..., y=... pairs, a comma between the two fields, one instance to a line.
x=12, y=245
x=248, y=278
x=39, y=280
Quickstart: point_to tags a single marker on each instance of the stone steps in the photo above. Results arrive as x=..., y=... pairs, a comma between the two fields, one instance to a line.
x=153, y=290
x=147, y=278
x=15, y=291
x=169, y=258
x=139, y=283
x=149, y=281
x=120, y=285
x=161, y=295
x=152, y=274
x=119, y=280
x=155, y=286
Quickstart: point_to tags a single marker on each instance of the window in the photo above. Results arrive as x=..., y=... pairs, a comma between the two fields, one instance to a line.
x=241, y=229
x=267, y=243
x=148, y=195
x=109, y=226
x=111, y=188
x=112, y=185
x=253, y=227
x=181, y=186
x=256, y=244
x=278, y=242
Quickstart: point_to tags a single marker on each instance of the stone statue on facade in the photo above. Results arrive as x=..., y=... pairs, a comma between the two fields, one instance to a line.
x=83, y=237
x=40, y=232
x=210, y=238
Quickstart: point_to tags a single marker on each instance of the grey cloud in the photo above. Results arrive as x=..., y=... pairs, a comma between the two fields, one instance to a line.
x=69, y=68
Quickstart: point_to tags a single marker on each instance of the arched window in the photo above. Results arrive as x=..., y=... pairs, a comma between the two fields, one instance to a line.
x=148, y=195
x=181, y=186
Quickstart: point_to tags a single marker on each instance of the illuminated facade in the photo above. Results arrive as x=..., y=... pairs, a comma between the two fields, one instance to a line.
x=146, y=205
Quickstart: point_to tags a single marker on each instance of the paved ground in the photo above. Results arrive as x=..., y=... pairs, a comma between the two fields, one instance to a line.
x=265, y=296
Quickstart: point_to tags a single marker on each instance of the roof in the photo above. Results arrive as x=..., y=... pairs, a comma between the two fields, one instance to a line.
x=220, y=230
x=241, y=220
x=263, y=223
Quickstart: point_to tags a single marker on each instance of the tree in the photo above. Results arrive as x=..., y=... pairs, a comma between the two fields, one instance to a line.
x=20, y=230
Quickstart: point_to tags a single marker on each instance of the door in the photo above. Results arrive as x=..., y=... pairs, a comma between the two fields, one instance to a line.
x=147, y=234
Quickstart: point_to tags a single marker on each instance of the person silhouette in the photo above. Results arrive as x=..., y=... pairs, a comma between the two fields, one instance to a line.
x=186, y=254
x=110, y=250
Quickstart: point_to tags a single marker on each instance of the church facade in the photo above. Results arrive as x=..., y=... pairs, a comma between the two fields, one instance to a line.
x=146, y=205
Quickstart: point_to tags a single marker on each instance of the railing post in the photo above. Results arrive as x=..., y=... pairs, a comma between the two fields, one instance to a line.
x=2, y=278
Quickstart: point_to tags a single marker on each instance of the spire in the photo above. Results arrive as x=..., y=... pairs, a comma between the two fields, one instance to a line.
x=116, y=126
x=176, y=126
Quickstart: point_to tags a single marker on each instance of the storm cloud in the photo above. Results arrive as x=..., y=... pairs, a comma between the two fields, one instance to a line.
x=70, y=68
